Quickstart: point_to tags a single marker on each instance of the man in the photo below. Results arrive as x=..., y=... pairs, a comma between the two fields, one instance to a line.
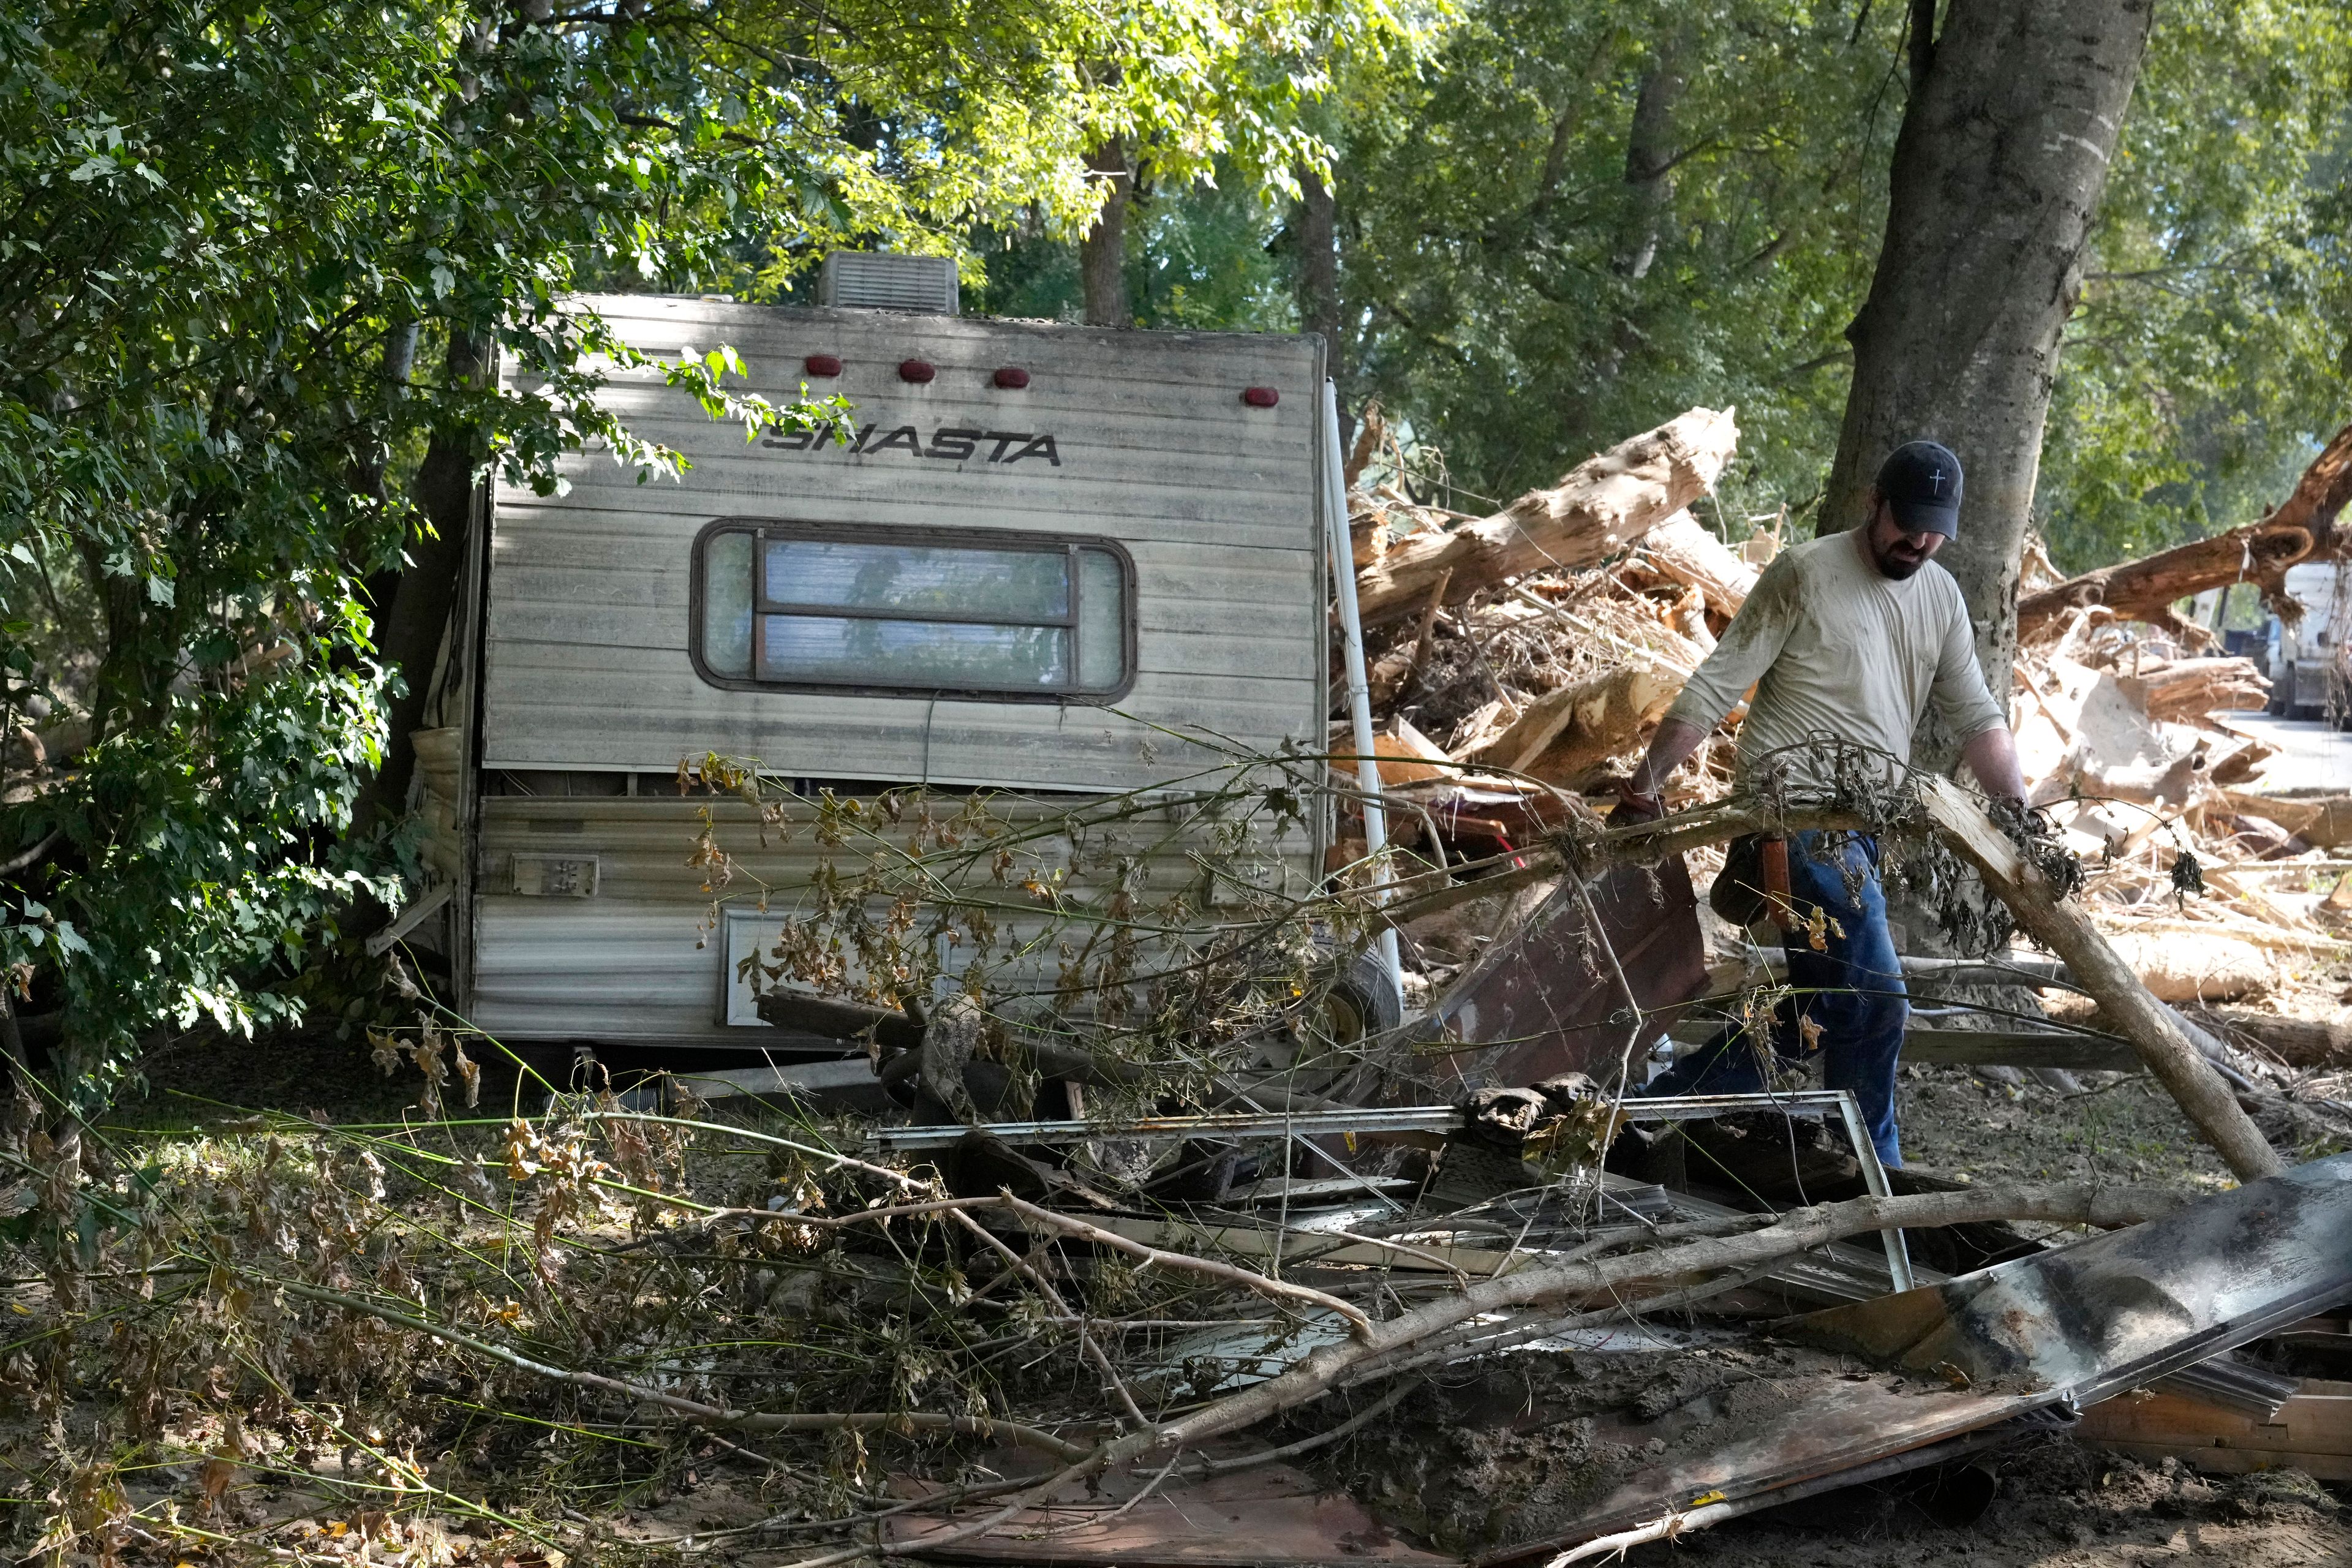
x=1849, y=638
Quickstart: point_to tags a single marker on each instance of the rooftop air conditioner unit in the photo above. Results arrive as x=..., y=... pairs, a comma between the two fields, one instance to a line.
x=874, y=281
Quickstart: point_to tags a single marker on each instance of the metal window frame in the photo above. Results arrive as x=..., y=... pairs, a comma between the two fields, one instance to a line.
x=1008, y=540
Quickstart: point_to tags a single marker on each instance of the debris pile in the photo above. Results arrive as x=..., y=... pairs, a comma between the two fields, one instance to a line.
x=1508, y=700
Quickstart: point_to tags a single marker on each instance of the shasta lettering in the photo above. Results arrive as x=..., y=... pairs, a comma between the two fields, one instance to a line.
x=951, y=444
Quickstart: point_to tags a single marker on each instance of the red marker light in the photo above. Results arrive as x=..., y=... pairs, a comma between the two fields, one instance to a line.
x=916, y=370
x=1260, y=396
x=1013, y=378
x=822, y=365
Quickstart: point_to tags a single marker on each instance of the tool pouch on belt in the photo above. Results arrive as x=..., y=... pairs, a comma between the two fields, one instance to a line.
x=1753, y=883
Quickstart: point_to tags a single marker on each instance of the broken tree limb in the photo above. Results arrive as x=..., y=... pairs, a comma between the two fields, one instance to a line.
x=2154, y=1030
x=1682, y=549
x=2259, y=552
x=1564, y=736
x=2187, y=689
x=1799, y=1230
x=694, y=1410
x=1602, y=505
x=1247, y=1279
x=1642, y=842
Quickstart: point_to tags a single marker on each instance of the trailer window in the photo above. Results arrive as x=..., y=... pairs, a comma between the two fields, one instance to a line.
x=797, y=606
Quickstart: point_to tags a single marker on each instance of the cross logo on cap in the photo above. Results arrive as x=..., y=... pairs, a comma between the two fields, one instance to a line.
x=1936, y=482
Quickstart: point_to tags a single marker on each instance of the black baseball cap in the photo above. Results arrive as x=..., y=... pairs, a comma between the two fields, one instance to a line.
x=1921, y=480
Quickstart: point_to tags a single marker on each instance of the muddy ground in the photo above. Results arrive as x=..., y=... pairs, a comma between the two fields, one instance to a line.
x=2055, y=1506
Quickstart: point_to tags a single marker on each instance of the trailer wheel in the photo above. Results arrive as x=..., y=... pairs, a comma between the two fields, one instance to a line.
x=1359, y=1003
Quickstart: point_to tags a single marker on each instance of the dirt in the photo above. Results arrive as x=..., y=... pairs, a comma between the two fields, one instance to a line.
x=2055, y=1505
x=1957, y=1123
x=1513, y=1451
x=1495, y=1457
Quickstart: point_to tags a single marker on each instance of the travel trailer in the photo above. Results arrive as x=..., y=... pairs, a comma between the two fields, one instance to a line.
x=1045, y=555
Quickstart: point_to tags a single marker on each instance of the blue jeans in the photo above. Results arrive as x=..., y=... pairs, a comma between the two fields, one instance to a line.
x=1853, y=991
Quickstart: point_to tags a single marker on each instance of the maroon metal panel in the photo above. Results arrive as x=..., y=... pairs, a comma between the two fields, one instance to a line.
x=1547, y=998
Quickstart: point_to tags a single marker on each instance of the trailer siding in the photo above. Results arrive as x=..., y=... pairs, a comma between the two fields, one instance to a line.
x=585, y=663
x=645, y=957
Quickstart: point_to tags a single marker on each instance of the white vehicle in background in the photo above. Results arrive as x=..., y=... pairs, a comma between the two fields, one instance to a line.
x=2306, y=662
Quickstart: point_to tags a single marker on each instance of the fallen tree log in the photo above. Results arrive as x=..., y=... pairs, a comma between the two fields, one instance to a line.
x=2259, y=552
x=2182, y=966
x=1682, y=550
x=2298, y=1042
x=2188, y=688
x=1604, y=505
x=2154, y=1030
x=2323, y=822
x=1564, y=735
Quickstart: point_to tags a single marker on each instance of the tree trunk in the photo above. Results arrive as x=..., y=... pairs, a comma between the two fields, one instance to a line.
x=1318, y=268
x=1605, y=504
x=1997, y=170
x=1650, y=160
x=410, y=628
x=1102, y=252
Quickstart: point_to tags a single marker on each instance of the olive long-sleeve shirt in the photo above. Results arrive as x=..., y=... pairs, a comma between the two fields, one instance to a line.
x=1833, y=646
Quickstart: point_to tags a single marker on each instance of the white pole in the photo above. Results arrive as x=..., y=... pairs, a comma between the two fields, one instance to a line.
x=1360, y=690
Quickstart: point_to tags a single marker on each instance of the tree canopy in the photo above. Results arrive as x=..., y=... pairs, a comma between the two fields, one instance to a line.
x=252, y=260
x=1561, y=224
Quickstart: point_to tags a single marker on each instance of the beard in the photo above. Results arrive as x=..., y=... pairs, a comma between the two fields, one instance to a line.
x=1894, y=562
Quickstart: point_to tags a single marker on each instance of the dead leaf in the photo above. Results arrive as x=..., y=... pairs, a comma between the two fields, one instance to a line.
x=212, y=1478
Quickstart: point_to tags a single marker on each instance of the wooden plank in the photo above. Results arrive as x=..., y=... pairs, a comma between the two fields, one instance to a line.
x=2312, y=1432
x=2002, y=1048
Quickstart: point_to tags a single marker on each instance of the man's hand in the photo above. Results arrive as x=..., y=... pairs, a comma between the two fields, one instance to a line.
x=1635, y=804
x=1638, y=796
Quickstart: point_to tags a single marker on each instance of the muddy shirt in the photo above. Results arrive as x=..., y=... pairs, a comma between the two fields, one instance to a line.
x=1834, y=647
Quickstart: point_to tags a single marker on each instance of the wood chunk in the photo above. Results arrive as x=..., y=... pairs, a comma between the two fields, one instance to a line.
x=2298, y=1042
x=2312, y=1432
x=1683, y=549
x=2189, y=689
x=2178, y=967
x=1564, y=735
x=1601, y=507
